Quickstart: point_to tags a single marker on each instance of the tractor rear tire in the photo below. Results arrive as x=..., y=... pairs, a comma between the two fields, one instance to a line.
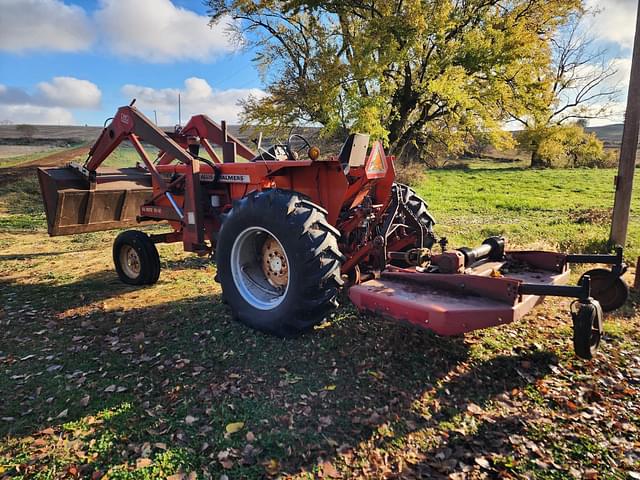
x=136, y=258
x=278, y=262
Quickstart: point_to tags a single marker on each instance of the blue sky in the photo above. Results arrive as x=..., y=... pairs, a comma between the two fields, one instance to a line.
x=76, y=61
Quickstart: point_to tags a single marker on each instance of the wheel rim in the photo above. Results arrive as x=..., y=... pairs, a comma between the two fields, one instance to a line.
x=260, y=268
x=130, y=261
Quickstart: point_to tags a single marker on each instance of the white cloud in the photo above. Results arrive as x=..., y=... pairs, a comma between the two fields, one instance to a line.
x=196, y=97
x=157, y=31
x=36, y=114
x=616, y=21
x=43, y=25
x=70, y=92
x=50, y=103
x=623, y=72
x=619, y=81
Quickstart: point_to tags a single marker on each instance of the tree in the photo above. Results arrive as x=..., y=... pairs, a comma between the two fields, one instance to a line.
x=580, y=89
x=426, y=76
x=565, y=145
x=27, y=130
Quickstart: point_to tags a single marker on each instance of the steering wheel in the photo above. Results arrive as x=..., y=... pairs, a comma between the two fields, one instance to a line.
x=295, y=153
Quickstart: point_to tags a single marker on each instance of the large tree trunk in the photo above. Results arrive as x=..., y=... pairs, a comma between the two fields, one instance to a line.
x=536, y=160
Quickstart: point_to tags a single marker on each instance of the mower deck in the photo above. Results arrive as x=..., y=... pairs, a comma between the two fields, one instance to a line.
x=451, y=304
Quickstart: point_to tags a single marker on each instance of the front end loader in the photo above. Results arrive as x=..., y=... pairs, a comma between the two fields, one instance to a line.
x=289, y=231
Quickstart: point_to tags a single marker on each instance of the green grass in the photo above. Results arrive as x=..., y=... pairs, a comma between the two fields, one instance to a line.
x=20, y=205
x=566, y=209
x=140, y=383
x=127, y=156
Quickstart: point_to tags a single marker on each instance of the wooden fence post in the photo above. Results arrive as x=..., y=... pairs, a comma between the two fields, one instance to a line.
x=627, y=164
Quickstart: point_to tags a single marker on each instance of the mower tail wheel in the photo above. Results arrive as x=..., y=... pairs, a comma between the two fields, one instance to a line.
x=607, y=288
x=278, y=262
x=136, y=258
x=587, y=328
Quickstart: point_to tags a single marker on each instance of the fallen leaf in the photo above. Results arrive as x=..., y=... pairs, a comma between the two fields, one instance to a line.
x=250, y=437
x=572, y=406
x=330, y=387
x=234, y=427
x=325, y=421
x=143, y=462
x=328, y=470
x=272, y=466
x=483, y=462
x=63, y=413
x=475, y=409
x=190, y=420
x=110, y=389
x=84, y=401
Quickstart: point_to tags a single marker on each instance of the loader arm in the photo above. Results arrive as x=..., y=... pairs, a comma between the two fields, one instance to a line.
x=129, y=123
x=210, y=133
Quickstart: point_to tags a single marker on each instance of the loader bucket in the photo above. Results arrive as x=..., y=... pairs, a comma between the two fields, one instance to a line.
x=71, y=207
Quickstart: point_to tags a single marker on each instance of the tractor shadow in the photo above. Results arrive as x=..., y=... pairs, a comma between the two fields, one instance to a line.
x=150, y=368
x=58, y=297
x=33, y=255
x=469, y=394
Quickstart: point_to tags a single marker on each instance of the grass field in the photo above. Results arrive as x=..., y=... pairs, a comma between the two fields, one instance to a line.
x=103, y=380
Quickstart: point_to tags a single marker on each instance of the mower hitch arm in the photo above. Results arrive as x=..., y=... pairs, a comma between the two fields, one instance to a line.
x=616, y=260
x=581, y=291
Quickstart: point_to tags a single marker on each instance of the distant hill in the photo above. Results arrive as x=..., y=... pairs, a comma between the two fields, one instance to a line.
x=57, y=134
x=611, y=135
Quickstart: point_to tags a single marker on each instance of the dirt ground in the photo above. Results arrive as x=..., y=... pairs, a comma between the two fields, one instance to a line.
x=104, y=380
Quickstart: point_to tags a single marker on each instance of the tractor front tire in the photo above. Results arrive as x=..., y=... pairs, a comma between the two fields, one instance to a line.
x=416, y=205
x=136, y=258
x=417, y=208
x=278, y=262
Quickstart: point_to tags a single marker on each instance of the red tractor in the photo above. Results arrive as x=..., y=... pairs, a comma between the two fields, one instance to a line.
x=289, y=230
